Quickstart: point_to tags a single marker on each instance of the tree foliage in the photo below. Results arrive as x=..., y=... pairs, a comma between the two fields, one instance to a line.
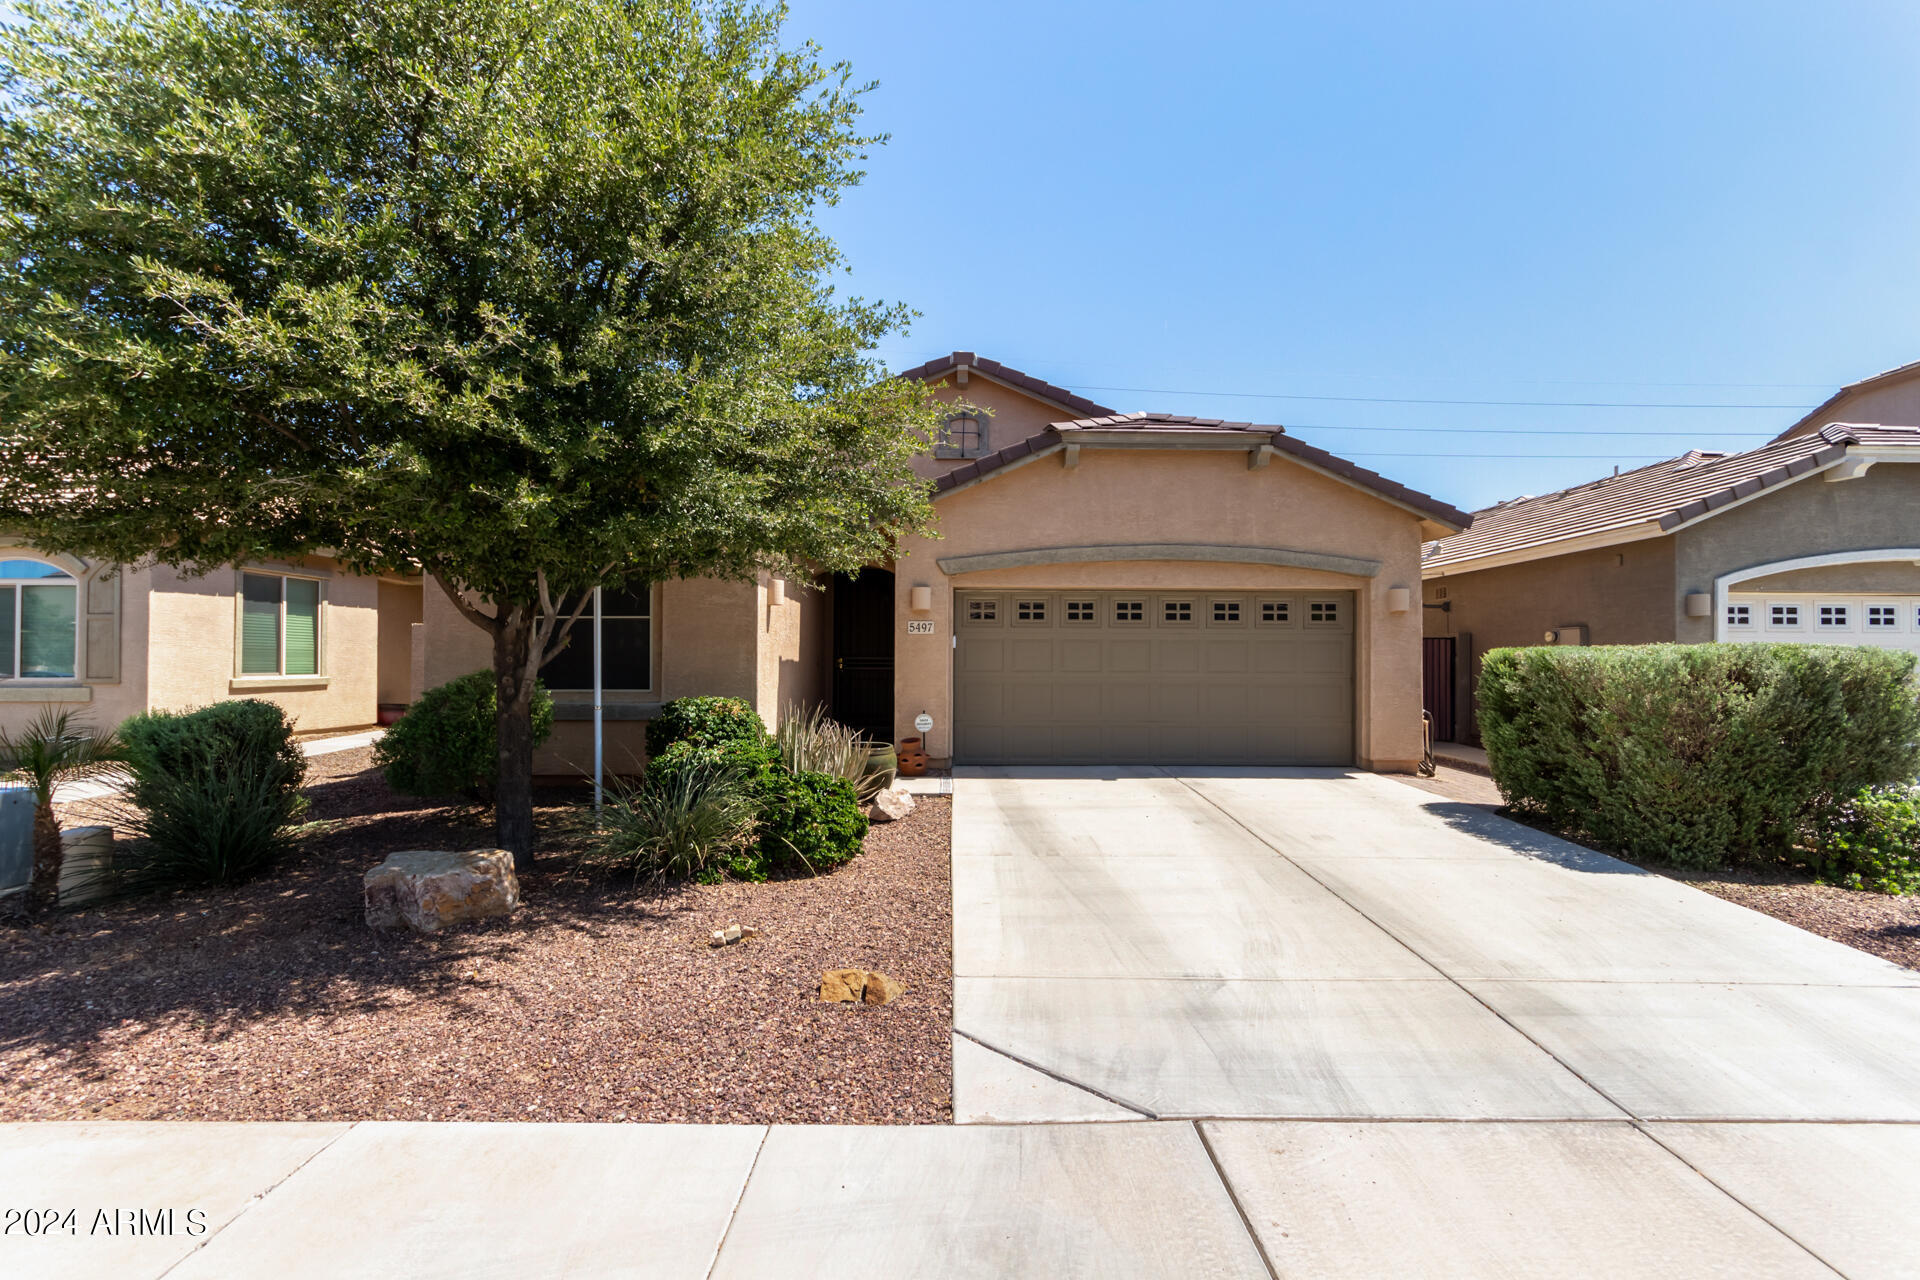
x=527, y=294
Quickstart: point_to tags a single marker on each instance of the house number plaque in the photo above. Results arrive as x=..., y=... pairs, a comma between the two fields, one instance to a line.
x=919, y=626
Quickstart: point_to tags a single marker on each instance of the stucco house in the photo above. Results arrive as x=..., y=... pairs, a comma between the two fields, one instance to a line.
x=1812, y=538
x=107, y=641
x=1105, y=588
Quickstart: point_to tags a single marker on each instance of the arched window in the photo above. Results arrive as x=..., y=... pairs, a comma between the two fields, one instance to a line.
x=39, y=605
x=963, y=436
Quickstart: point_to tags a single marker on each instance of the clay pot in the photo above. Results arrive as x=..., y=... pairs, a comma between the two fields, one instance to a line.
x=913, y=759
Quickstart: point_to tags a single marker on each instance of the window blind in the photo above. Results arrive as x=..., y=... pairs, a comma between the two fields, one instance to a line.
x=260, y=625
x=303, y=627
x=47, y=617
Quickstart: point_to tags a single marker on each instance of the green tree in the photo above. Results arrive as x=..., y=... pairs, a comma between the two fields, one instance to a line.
x=54, y=748
x=526, y=294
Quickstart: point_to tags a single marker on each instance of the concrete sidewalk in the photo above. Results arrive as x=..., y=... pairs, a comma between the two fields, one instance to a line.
x=1214, y=1198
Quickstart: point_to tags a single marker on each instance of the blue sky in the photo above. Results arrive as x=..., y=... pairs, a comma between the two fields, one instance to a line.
x=1687, y=202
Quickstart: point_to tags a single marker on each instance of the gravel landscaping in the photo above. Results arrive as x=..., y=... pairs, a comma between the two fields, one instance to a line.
x=1883, y=924
x=598, y=1000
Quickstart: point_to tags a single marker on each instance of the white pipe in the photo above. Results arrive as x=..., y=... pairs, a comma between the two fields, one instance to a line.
x=599, y=653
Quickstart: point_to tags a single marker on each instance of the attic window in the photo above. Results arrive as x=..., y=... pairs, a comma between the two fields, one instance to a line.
x=963, y=436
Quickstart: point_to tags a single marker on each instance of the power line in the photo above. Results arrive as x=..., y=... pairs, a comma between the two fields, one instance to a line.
x=1524, y=457
x=1518, y=404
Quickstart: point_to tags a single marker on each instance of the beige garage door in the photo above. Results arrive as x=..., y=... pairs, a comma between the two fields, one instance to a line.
x=1117, y=677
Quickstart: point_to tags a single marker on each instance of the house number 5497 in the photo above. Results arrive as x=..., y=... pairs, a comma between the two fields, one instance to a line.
x=920, y=626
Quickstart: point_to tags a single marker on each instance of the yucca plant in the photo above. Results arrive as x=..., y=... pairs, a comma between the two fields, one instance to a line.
x=811, y=742
x=56, y=747
x=690, y=822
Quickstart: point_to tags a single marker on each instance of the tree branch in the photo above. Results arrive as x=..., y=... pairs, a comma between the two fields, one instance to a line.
x=490, y=625
x=557, y=638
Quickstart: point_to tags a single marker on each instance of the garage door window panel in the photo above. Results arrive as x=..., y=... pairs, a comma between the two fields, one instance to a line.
x=1177, y=611
x=1130, y=611
x=1278, y=613
x=981, y=611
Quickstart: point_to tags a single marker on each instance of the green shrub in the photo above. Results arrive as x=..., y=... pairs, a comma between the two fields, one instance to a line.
x=446, y=744
x=694, y=820
x=214, y=790
x=1872, y=842
x=705, y=722
x=1699, y=755
x=810, y=742
x=809, y=821
x=750, y=760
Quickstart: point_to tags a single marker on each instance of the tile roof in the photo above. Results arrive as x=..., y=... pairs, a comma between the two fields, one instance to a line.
x=1012, y=377
x=1670, y=493
x=1059, y=434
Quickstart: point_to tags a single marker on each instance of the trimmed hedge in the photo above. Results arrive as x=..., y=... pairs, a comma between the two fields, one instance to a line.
x=448, y=744
x=705, y=722
x=1872, y=843
x=1697, y=755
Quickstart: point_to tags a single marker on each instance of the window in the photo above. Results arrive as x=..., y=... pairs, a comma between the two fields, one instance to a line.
x=1323, y=611
x=1129, y=611
x=1029, y=610
x=279, y=625
x=1226, y=611
x=963, y=436
x=1833, y=615
x=983, y=611
x=1739, y=615
x=1275, y=611
x=38, y=608
x=1177, y=611
x=1882, y=615
x=1079, y=611
x=626, y=624
x=1784, y=615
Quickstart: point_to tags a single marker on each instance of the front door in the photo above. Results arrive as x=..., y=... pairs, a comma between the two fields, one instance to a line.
x=863, y=652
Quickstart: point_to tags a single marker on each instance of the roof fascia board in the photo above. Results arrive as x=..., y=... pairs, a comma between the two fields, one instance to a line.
x=1548, y=550
x=1862, y=458
x=1147, y=438
x=1352, y=566
x=1002, y=469
x=975, y=371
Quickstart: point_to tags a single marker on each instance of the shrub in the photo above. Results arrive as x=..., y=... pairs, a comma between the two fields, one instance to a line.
x=752, y=761
x=447, y=744
x=704, y=722
x=1872, y=842
x=695, y=820
x=1700, y=755
x=809, y=821
x=809, y=742
x=214, y=789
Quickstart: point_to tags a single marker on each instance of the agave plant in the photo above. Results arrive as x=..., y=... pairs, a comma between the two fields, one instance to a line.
x=811, y=742
x=56, y=747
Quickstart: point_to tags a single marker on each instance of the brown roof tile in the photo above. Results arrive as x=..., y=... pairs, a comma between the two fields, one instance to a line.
x=1011, y=376
x=1669, y=493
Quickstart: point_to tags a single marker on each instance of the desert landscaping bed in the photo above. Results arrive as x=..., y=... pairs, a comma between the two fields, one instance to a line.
x=598, y=1000
x=1884, y=924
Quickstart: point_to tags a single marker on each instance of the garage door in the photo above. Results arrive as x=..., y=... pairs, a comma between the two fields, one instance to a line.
x=1116, y=677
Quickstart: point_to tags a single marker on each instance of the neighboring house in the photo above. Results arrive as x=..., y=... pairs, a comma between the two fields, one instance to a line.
x=1106, y=588
x=1814, y=538
x=327, y=645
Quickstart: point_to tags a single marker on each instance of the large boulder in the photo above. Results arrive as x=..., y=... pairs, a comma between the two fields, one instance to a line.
x=890, y=805
x=428, y=889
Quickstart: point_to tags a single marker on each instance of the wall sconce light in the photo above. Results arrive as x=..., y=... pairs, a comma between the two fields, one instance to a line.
x=920, y=599
x=776, y=591
x=1399, y=599
x=1699, y=604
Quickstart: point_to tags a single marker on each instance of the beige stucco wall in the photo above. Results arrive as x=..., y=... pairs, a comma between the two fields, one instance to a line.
x=1895, y=404
x=1151, y=496
x=400, y=605
x=1012, y=417
x=189, y=650
x=791, y=664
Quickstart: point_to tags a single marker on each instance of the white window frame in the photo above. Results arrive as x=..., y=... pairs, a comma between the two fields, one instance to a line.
x=240, y=674
x=72, y=579
x=1745, y=621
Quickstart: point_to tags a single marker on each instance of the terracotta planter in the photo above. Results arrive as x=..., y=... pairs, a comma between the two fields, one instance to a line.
x=913, y=759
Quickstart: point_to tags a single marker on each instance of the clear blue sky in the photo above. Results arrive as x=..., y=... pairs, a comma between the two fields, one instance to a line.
x=1687, y=201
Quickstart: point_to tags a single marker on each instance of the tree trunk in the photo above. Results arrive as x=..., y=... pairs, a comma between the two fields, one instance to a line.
x=48, y=856
x=513, y=677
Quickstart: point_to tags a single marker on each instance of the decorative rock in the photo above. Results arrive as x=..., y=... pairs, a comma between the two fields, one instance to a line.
x=428, y=889
x=859, y=986
x=890, y=805
x=731, y=934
